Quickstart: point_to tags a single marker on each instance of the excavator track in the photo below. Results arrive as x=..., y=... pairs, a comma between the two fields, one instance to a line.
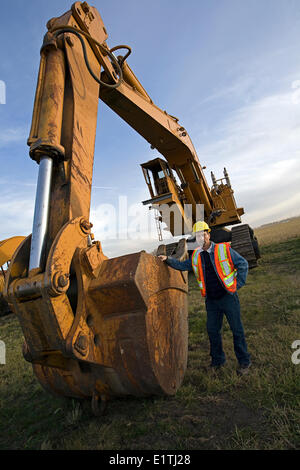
x=242, y=242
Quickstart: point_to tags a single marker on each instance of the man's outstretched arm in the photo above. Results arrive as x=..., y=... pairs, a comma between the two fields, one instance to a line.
x=175, y=264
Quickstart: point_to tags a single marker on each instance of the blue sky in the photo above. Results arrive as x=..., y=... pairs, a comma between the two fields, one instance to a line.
x=229, y=69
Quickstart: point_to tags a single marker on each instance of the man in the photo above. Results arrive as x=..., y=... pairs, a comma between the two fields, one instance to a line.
x=220, y=271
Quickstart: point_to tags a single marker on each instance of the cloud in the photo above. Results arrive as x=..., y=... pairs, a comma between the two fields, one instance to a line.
x=277, y=211
x=12, y=134
x=124, y=226
x=259, y=144
x=113, y=188
x=123, y=219
x=114, y=248
x=6, y=182
x=240, y=89
x=16, y=214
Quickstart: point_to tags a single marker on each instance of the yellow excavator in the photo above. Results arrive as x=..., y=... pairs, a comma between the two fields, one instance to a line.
x=96, y=327
x=7, y=249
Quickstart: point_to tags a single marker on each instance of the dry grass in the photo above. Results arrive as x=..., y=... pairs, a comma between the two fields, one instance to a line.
x=278, y=231
x=209, y=411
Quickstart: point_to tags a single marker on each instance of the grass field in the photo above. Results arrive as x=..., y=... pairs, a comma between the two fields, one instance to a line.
x=278, y=231
x=210, y=410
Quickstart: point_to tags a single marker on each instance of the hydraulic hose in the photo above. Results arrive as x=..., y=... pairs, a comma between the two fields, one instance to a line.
x=79, y=33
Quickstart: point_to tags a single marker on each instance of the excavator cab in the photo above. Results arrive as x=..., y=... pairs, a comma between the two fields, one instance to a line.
x=161, y=184
x=165, y=190
x=166, y=195
x=160, y=180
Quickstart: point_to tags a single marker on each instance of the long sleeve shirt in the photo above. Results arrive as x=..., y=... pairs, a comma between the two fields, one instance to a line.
x=240, y=263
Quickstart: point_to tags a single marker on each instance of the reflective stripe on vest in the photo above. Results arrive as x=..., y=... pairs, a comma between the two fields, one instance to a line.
x=197, y=268
x=224, y=265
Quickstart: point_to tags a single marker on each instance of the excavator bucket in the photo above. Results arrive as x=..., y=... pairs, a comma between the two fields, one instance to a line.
x=136, y=312
x=102, y=327
x=7, y=249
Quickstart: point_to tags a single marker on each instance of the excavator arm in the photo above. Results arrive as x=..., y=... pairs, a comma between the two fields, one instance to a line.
x=170, y=139
x=177, y=185
x=182, y=201
x=122, y=92
x=94, y=327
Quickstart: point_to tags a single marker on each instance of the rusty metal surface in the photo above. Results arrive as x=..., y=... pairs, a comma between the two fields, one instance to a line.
x=124, y=333
x=65, y=117
x=135, y=292
x=93, y=327
x=7, y=249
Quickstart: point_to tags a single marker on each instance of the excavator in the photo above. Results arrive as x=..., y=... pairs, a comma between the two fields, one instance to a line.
x=96, y=327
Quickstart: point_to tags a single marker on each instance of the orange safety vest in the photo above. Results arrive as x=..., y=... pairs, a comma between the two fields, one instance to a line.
x=225, y=267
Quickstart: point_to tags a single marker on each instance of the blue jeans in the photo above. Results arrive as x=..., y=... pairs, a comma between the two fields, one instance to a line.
x=216, y=308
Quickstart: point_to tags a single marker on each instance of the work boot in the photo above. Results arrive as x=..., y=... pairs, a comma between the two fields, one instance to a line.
x=243, y=369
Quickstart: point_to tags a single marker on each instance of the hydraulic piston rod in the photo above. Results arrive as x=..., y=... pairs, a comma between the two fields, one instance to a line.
x=41, y=213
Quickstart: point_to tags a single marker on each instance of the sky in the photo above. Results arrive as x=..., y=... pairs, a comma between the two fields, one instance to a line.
x=228, y=69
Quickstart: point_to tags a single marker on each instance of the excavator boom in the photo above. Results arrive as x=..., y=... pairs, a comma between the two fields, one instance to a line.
x=94, y=327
